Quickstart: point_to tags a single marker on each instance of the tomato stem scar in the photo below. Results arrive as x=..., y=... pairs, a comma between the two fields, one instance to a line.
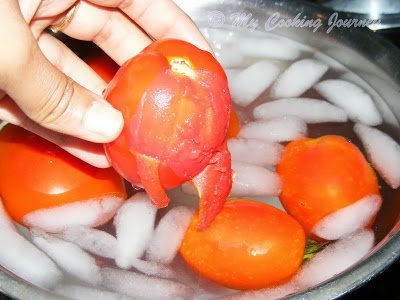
x=181, y=66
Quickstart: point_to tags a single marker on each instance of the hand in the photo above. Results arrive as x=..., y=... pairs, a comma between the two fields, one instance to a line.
x=50, y=91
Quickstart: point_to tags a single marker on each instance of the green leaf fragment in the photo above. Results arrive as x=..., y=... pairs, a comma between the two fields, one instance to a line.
x=312, y=248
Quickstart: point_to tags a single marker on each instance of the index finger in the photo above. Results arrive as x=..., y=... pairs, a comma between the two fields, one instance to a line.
x=161, y=19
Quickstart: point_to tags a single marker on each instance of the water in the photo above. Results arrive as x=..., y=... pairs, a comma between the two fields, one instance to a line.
x=223, y=41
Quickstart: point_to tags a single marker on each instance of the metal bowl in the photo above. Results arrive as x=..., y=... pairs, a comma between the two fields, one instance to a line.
x=388, y=11
x=369, y=56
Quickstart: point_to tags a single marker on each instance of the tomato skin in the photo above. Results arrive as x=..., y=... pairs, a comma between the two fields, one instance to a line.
x=121, y=94
x=106, y=68
x=150, y=74
x=250, y=245
x=320, y=176
x=37, y=174
x=175, y=121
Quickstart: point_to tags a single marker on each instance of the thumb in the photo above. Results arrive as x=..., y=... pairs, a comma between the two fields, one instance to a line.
x=55, y=101
x=48, y=96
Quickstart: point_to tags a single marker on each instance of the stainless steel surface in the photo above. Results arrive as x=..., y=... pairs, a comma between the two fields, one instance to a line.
x=368, y=55
x=388, y=11
x=369, y=7
x=20, y=289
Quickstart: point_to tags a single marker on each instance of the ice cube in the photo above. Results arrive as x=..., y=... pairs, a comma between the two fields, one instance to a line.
x=134, y=223
x=336, y=258
x=231, y=73
x=282, y=129
x=332, y=63
x=229, y=57
x=203, y=288
x=298, y=78
x=250, y=83
x=348, y=219
x=22, y=258
x=168, y=235
x=277, y=292
x=310, y=110
x=250, y=180
x=26, y=261
x=379, y=101
x=386, y=88
x=92, y=240
x=268, y=48
x=78, y=292
x=143, y=287
x=90, y=213
x=68, y=257
x=383, y=152
x=357, y=80
x=154, y=269
x=219, y=36
x=257, y=152
x=354, y=100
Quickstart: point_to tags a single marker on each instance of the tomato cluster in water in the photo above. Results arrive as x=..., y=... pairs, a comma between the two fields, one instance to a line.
x=252, y=245
x=176, y=106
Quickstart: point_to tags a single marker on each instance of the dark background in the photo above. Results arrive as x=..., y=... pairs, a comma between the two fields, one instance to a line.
x=383, y=287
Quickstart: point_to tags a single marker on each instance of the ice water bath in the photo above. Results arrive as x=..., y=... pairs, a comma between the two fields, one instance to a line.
x=281, y=91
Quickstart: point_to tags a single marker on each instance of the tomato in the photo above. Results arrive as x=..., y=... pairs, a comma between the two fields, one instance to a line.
x=250, y=245
x=36, y=174
x=106, y=68
x=234, y=125
x=175, y=102
x=320, y=176
x=102, y=64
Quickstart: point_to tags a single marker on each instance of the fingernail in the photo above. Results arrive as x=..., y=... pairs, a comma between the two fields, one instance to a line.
x=102, y=118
